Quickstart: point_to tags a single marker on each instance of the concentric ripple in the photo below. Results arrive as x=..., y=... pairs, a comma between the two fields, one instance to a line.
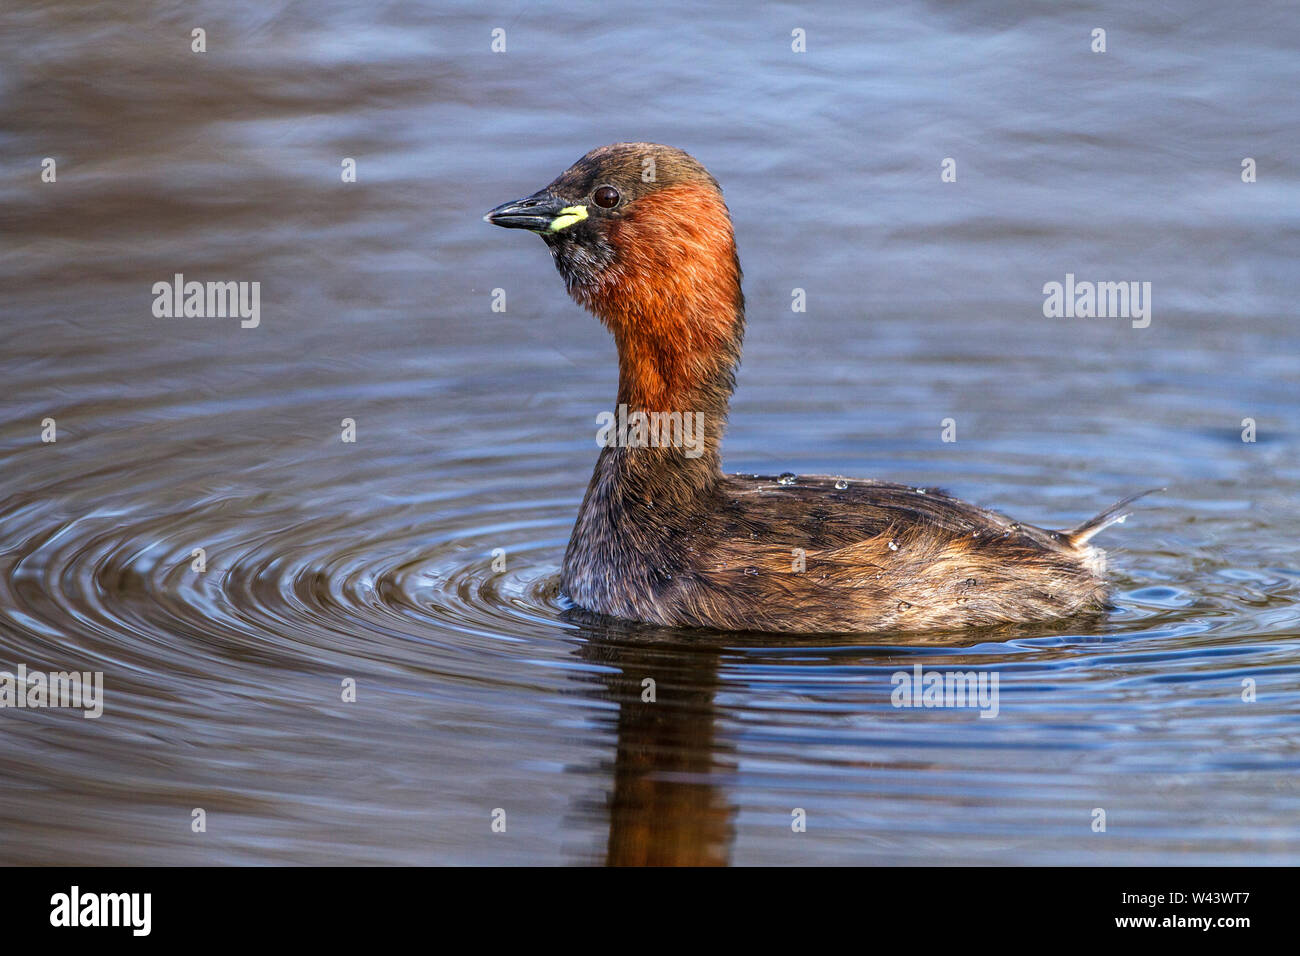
x=477, y=684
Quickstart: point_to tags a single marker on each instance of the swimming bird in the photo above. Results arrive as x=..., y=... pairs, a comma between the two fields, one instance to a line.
x=643, y=239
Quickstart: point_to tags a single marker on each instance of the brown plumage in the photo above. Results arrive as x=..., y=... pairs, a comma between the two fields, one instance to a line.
x=664, y=537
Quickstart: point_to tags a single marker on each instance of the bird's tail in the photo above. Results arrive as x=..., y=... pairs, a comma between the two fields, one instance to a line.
x=1112, y=515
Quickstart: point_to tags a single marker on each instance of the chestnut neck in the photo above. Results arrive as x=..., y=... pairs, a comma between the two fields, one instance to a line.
x=673, y=301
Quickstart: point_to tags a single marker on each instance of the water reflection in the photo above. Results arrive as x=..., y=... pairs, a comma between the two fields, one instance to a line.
x=671, y=775
x=667, y=804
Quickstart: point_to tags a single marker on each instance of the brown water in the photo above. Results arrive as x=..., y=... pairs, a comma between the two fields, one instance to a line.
x=476, y=688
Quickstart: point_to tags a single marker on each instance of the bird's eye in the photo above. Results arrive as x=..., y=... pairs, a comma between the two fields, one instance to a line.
x=606, y=197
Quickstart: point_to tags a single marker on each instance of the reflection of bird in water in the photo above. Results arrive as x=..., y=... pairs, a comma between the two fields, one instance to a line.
x=666, y=807
x=671, y=799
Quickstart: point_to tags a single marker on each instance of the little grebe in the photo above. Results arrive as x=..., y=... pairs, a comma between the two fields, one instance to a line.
x=643, y=239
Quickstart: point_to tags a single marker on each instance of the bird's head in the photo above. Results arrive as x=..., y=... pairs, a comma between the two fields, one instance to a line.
x=643, y=239
x=627, y=217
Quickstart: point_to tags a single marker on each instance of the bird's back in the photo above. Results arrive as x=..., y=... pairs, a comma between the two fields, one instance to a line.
x=815, y=553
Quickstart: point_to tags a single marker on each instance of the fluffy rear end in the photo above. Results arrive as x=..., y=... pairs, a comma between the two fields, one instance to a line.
x=1115, y=514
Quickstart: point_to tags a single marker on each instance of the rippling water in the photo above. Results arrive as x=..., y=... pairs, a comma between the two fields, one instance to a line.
x=421, y=561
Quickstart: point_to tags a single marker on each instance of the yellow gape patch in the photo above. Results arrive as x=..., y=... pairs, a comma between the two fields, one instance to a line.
x=567, y=217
